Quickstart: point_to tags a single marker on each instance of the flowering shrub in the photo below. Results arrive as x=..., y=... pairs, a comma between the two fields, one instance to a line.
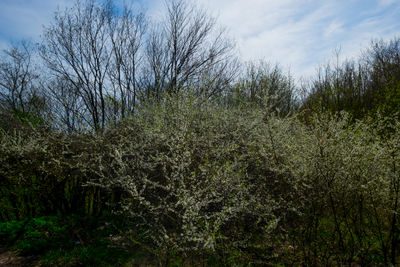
x=193, y=178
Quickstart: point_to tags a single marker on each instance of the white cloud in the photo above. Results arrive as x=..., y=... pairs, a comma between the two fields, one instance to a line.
x=300, y=34
x=387, y=2
x=335, y=27
x=303, y=34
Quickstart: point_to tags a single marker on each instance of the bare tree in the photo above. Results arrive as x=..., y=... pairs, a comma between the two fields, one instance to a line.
x=95, y=48
x=76, y=48
x=68, y=109
x=17, y=77
x=22, y=98
x=185, y=48
x=266, y=85
x=360, y=86
x=127, y=35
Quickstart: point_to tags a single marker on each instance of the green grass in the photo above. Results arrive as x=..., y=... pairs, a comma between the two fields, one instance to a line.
x=64, y=241
x=91, y=255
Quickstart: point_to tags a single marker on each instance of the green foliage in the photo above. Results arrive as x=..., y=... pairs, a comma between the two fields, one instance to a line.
x=43, y=233
x=264, y=85
x=45, y=174
x=99, y=164
x=36, y=235
x=10, y=231
x=92, y=255
x=193, y=180
x=65, y=241
x=362, y=87
x=29, y=118
x=185, y=173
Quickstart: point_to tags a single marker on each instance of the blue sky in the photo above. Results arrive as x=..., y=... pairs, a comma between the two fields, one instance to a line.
x=297, y=34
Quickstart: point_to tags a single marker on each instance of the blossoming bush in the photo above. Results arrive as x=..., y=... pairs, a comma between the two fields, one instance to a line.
x=239, y=183
x=190, y=174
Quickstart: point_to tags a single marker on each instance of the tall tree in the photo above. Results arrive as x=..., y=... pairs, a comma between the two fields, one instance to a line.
x=266, y=85
x=94, y=47
x=127, y=34
x=21, y=94
x=17, y=77
x=362, y=87
x=185, y=48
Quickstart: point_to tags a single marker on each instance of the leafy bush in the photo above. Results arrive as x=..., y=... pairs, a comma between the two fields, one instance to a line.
x=347, y=176
x=43, y=233
x=67, y=241
x=11, y=231
x=92, y=255
x=191, y=178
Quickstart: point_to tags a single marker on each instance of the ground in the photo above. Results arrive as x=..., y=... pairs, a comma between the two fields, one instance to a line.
x=11, y=259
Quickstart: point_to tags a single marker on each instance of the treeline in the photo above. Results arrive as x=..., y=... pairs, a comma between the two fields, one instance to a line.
x=199, y=156
x=362, y=87
x=201, y=182
x=96, y=64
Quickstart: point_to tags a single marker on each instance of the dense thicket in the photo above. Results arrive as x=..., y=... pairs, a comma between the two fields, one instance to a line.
x=197, y=155
x=363, y=87
x=202, y=178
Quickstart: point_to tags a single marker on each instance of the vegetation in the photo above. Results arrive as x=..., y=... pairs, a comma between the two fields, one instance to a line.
x=126, y=142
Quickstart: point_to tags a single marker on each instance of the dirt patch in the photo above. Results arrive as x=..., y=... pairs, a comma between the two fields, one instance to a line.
x=11, y=259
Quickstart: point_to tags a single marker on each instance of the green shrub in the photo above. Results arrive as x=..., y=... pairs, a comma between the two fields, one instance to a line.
x=92, y=255
x=189, y=178
x=11, y=231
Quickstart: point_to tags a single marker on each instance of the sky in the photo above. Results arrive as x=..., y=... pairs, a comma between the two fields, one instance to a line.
x=299, y=35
